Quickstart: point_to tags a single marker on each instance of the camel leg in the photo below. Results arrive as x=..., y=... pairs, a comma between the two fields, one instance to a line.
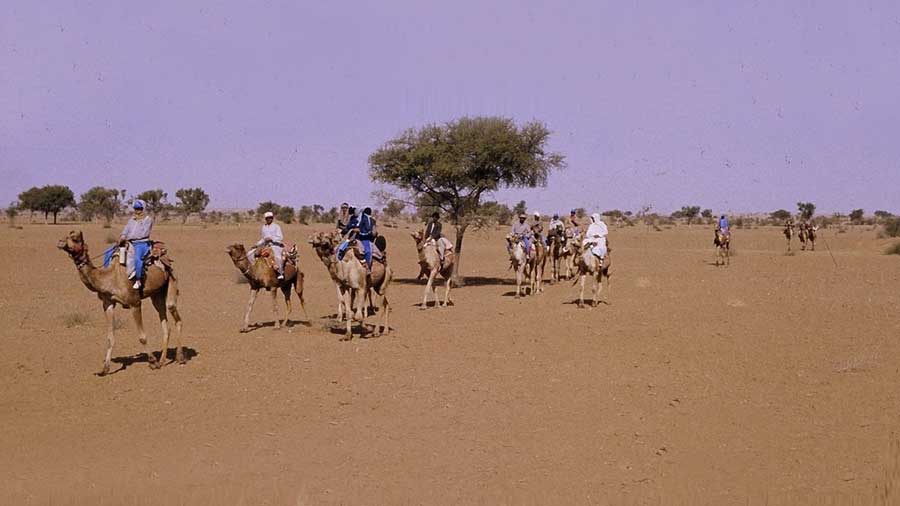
x=581, y=294
x=139, y=323
x=429, y=288
x=172, y=306
x=286, y=292
x=108, y=311
x=275, y=308
x=159, y=303
x=347, y=301
x=518, y=282
x=447, y=292
x=299, y=290
x=253, y=294
x=386, y=307
x=598, y=287
x=340, y=309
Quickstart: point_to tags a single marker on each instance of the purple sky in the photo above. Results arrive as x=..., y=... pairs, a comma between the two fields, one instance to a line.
x=738, y=106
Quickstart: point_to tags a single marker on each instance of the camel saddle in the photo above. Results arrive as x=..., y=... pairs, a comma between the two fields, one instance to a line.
x=289, y=254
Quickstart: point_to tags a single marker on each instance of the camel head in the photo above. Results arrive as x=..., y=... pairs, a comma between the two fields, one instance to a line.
x=237, y=252
x=73, y=244
x=324, y=243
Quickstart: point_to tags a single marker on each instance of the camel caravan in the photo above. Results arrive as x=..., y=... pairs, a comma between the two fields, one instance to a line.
x=355, y=256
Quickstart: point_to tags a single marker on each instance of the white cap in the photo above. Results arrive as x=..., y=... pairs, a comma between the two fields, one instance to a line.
x=269, y=214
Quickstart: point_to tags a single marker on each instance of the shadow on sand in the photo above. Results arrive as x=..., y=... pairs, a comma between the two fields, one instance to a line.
x=189, y=354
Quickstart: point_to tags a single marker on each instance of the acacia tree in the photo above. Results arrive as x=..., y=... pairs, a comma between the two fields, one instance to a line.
x=452, y=166
x=191, y=200
x=155, y=200
x=806, y=209
x=100, y=201
x=54, y=198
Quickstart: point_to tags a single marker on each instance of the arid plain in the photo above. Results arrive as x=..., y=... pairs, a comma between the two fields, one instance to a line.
x=775, y=380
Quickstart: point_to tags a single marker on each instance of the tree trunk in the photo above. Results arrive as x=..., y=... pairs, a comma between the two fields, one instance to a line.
x=460, y=232
x=54, y=216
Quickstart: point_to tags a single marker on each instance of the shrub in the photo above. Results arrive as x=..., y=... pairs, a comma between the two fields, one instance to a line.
x=75, y=319
x=893, y=249
x=892, y=227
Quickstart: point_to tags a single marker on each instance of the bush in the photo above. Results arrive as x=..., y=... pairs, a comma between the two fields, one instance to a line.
x=75, y=319
x=893, y=249
x=892, y=227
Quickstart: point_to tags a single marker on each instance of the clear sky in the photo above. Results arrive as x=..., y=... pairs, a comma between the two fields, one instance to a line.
x=737, y=106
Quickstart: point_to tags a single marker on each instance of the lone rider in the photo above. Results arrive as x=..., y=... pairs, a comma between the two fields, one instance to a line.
x=272, y=236
x=522, y=231
x=137, y=234
x=596, y=237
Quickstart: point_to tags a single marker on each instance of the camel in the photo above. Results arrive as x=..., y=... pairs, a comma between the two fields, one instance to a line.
x=262, y=275
x=571, y=253
x=520, y=262
x=589, y=264
x=789, y=233
x=723, y=248
x=112, y=286
x=557, y=251
x=352, y=280
x=807, y=235
x=430, y=264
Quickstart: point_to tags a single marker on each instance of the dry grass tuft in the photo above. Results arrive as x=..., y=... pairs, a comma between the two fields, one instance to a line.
x=893, y=249
x=75, y=319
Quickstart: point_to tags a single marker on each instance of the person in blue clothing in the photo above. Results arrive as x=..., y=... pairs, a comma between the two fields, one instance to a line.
x=135, y=236
x=723, y=225
x=364, y=225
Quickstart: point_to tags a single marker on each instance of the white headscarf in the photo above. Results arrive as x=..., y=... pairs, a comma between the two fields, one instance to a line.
x=597, y=229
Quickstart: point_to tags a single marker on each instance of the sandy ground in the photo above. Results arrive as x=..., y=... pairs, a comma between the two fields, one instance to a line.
x=772, y=381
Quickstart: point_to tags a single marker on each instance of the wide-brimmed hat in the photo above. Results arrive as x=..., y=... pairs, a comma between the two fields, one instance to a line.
x=269, y=214
x=523, y=216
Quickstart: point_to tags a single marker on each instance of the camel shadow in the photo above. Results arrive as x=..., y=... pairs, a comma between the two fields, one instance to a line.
x=587, y=303
x=432, y=303
x=125, y=362
x=271, y=324
x=359, y=330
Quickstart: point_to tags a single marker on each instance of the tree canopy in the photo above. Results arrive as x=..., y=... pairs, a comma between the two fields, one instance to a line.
x=806, y=209
x=453, y=165
x=50, y=199
x=155, y=200
x=100, y=201
x=191, y=200
x=780, y=215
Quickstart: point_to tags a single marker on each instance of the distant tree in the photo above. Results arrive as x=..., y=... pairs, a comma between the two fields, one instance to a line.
x=892, y=227
x=317, y=211
x=51, y=199
x=856, y=215
x=29, y=200
x=330, y=216
x=155, y=200
x=285, y=214
x=883, y=215
x=394, y=209
x=806, y=209
x=492, y=213
x=237, y=218
x=580, y=212
x=100, y=201
x=520, y=208
x=690, y=213
x=780, y=215
x=454, y=165
x=707, y=214
x=614, y=214
x=305, y=215
x=266, y=207
x=191, y=200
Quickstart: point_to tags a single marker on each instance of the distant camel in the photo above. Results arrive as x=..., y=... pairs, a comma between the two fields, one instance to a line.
x=519, y=261
x=572, y=253
x=589, y=265
x=112, y=286
x=722, y=243
x=352, y=280
x=789, y=233
x=262, y=275
x=807, y=235
x=430, y=264
x=559, y=253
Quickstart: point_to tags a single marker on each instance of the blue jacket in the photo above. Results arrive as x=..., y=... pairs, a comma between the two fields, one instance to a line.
x=366, y=228
x=353, y=223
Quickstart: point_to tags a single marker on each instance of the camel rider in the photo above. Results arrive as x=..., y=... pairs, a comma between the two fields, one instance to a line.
x=364, y=226
x=433, y=231
x=723, y=226
x=344, y=216
x=572, y=225
x=522, y=231
x=556, y=226
x=137, y=234
x=272, y=236
x=596, y=236
x=537, y=227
